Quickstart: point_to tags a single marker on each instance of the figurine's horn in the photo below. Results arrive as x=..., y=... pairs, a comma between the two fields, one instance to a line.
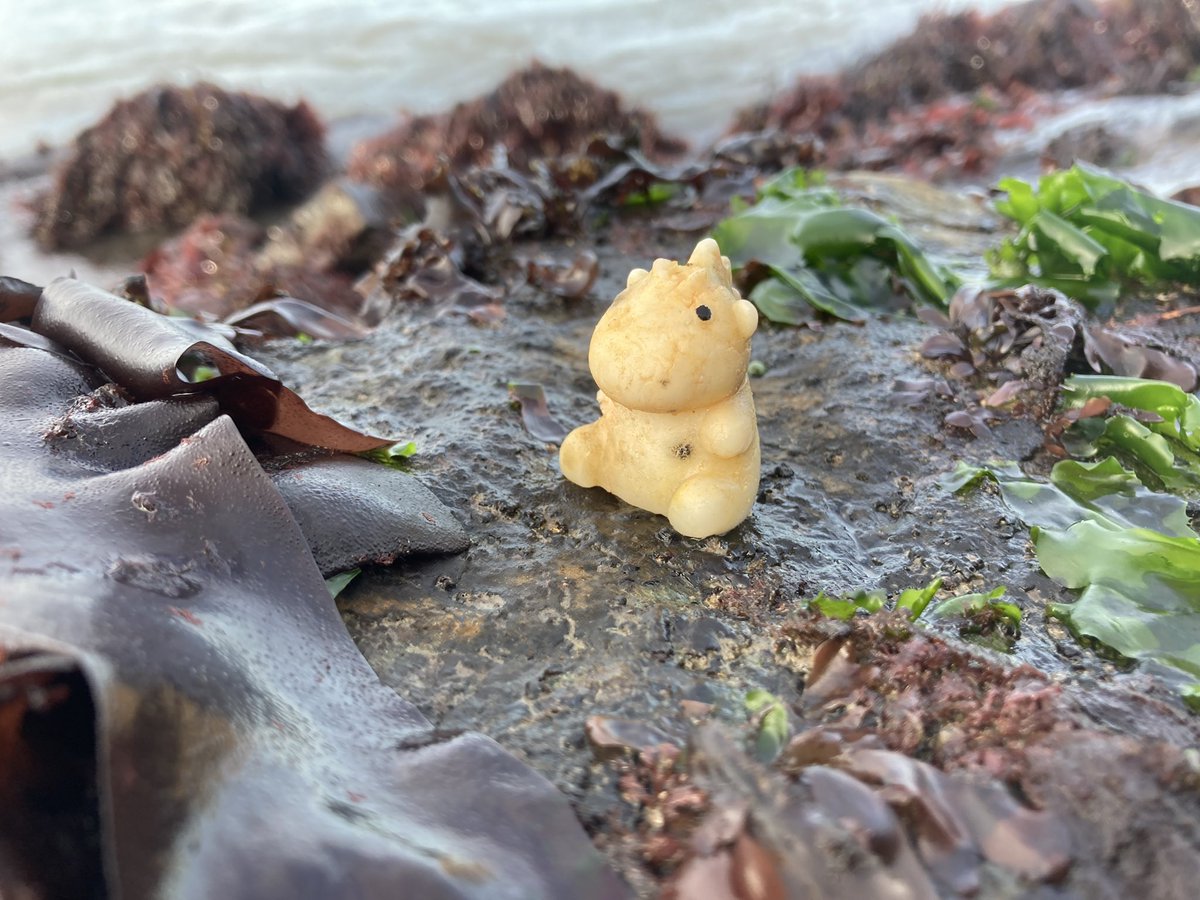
x=706, y=254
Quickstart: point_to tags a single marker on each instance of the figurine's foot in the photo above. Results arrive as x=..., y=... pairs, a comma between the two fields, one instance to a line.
x=705, y=506
x=575, y=457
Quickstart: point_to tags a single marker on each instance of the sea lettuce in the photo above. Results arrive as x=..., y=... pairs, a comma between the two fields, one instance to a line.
x=1130, y=552
x=1089, y=234
x=821, y=254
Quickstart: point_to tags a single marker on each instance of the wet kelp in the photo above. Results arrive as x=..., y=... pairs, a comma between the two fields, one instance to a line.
x=150, y=358
x=181, y=710
x=346, y=509
x=162, y=158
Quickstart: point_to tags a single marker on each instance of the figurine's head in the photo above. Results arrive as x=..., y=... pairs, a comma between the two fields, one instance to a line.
x=678, y=336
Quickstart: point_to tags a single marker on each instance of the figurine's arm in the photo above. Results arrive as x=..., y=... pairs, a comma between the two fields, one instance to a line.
x=729, y=429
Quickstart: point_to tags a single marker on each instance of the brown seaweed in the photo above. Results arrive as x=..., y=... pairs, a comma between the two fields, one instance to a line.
x=288, y=316
x=17, y=298
x=143, y=352
x=1016, y=346
x=163, y=157
x=423, y=265
x=346, y=508
x=903, y=827
x=181, y=710
x=935, y=100
x=535, y=413
x=570, y=281
x=222, y=265
x=539, y=112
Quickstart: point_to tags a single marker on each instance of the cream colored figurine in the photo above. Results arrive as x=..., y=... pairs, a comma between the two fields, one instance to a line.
x=677, y=433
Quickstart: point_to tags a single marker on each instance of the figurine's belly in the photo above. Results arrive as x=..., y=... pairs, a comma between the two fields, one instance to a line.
x=650, y=454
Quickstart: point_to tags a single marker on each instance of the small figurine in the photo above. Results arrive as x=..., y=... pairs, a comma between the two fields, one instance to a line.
x=677, y=434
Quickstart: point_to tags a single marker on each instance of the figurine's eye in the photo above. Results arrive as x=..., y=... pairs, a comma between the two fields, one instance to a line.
x=704, y=313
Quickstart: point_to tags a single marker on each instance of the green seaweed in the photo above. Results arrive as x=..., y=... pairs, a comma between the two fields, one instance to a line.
x=654, y=194
x=912, y=600
x=1089, y=234
x=915, y=600
x=984, y=618
x=339, y=582
x=396, y=456
x=773, y=726
x=1129, y=551
x=824, y=255
x=1162, y=446
x=1082, y=231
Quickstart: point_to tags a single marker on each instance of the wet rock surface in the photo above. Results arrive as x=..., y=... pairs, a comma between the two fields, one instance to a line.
x=570, y=604
x=608, y=652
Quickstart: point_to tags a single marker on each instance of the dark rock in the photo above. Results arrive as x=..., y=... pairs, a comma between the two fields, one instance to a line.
x=629, y=616
x=343, y=227
x=1088, y=143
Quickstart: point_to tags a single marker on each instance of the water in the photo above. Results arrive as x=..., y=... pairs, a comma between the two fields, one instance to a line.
x=1158, y=136
x=692, y=61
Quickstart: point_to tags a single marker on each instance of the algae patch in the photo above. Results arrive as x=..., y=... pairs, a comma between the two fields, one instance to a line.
x=1088, y=234
x=824, y=255
x=1129, y=551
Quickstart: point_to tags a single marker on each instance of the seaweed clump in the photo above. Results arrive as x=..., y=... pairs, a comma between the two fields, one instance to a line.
x=223, y=264
x=909, y=766
x=536, y=113
x=931, y=101
x=169, y=154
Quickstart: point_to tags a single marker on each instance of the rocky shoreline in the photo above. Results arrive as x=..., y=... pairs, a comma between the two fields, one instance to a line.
x=472, y=251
